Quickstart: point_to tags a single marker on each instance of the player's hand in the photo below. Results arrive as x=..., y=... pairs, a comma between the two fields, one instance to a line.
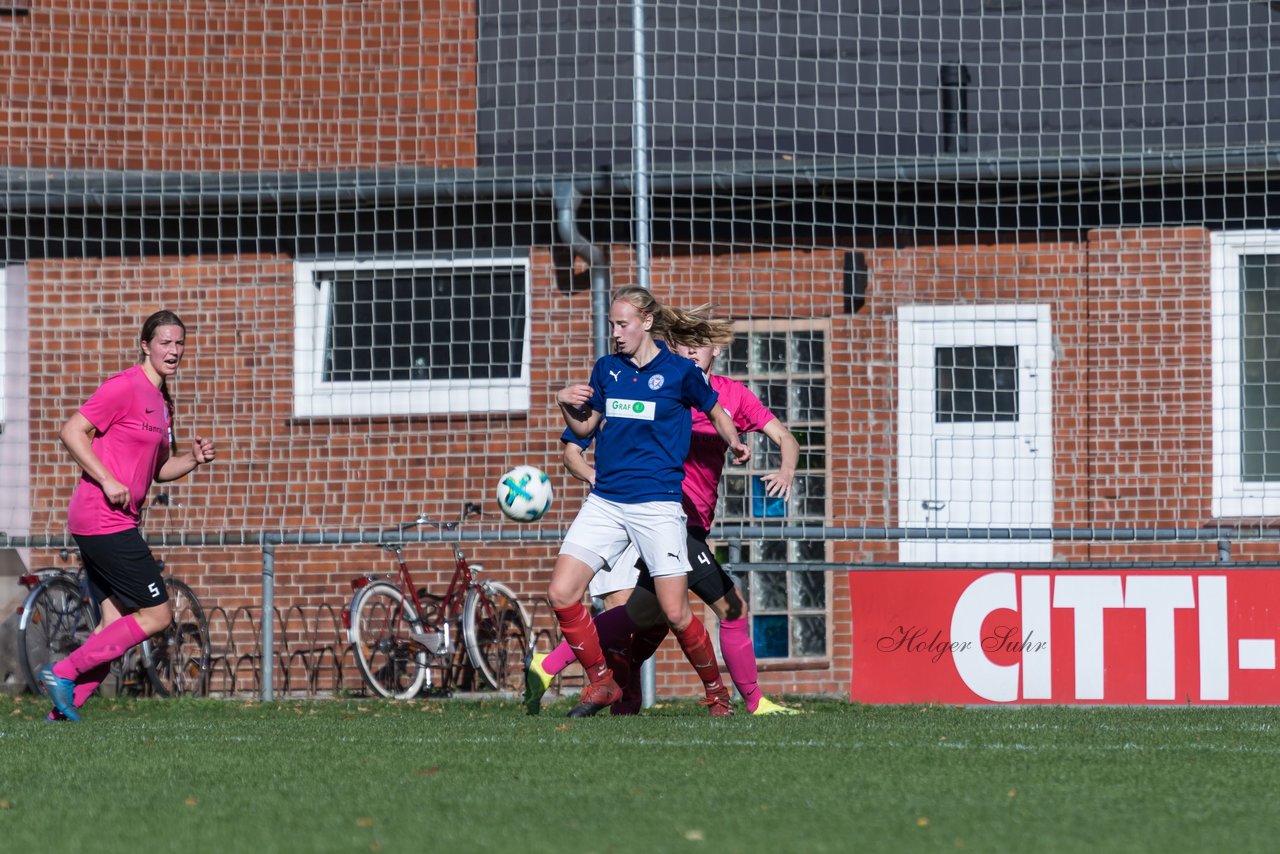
x=202, y=450
x=116, y=492
x=741, y=453
x=777, y=485
x=575, y=396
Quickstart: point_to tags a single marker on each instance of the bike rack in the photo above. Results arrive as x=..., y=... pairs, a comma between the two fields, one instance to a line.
x=318, y=653
x=313, y=657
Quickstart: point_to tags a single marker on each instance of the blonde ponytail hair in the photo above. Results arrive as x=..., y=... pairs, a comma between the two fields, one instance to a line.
x=693, y=328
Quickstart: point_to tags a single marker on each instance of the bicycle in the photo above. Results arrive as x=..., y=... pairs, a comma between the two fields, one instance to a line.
x=59, y=614
x=404, y=637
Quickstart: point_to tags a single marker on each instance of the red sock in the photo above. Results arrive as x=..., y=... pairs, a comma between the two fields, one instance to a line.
x=102, y=647
x=613, y=628
x=580, y=633
x=697, y=647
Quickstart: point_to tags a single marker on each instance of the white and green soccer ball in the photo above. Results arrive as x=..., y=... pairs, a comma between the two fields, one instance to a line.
x=524, y=493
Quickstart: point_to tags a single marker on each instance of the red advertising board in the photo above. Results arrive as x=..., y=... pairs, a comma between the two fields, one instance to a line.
x=1198, y=636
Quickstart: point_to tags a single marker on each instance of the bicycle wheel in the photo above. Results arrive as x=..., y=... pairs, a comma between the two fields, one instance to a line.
x=382, y=623
x=178, y=661
x=55, y=621
x=495, y=629
x=129, y=676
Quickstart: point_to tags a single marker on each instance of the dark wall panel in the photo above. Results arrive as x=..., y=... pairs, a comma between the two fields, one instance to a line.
x=819, y=78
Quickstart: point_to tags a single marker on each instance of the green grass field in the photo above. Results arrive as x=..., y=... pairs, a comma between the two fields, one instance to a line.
x=347, y=775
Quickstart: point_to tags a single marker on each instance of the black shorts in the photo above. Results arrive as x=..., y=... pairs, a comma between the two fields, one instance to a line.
x=121, y=565
x=707, y=578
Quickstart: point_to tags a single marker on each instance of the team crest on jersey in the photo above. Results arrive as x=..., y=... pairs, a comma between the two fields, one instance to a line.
x=655, y=382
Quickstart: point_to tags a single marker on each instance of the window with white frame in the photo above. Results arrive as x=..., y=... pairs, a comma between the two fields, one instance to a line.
x=1245, y=321
x=4, y=341
x=785, y=364
x=415, y=336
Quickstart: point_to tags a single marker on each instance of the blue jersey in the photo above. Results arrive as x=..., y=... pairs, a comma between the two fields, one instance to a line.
x=643, y=438
x=568, y=437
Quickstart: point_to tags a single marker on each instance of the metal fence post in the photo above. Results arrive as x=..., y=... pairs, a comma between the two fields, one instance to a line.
x=268, y=618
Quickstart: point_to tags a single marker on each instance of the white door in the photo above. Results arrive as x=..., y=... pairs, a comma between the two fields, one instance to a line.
x=975, y=441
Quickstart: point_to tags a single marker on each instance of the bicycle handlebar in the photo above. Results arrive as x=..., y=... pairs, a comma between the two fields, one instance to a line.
x=470, y=508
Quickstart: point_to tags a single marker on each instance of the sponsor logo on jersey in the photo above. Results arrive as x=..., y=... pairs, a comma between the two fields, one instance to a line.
x=641, y=410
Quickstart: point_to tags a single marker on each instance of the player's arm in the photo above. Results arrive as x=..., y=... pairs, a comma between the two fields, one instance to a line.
x=778, y=484
x=574, y=401
x=77, y=437
x=177, y=467
x=575, y=462
x=724, y=425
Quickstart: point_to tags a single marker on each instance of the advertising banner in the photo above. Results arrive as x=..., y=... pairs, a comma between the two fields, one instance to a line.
x=1200, y=636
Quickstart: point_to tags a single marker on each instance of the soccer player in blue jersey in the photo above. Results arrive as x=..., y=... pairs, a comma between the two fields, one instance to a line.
x=640, y=398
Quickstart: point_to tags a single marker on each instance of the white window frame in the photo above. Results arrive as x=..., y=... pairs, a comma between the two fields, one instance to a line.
x=314, y=398
x=4, y=341
x=1232, y=496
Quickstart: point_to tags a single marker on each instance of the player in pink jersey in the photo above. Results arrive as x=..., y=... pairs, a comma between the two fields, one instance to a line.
x=638, y=624
x=123, y=439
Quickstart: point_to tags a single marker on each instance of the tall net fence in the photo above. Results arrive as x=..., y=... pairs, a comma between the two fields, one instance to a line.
x=1006, y=270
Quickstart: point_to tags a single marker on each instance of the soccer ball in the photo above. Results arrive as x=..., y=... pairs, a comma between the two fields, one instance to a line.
x=524, y=493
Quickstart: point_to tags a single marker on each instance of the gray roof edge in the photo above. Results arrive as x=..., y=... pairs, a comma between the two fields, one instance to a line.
x=37, y=191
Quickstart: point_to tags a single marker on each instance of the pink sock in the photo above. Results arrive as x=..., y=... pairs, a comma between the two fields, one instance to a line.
x=740, y=659
x=559, y=658
x=614, y=629
x=89, y=681
x=102, y=647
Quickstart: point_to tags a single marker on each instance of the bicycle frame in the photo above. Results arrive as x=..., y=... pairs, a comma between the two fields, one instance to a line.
x=464, y=577
x=486, y=615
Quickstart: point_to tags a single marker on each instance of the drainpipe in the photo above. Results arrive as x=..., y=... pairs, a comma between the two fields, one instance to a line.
x=953, y=97
x=567, y=198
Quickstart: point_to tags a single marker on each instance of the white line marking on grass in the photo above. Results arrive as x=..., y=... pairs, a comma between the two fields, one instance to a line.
x=1181, y=728
x=1129, y=745
x=677, y=742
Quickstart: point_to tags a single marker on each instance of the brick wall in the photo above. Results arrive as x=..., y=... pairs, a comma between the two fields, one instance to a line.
x=127, y=84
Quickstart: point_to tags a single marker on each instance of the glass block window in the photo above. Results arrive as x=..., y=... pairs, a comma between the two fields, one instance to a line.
x=1245, y=322
x=411, y=336
x=786, y=366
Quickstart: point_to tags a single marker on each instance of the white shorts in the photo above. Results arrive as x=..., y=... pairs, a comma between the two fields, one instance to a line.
x=622, y=574
x=604, y=529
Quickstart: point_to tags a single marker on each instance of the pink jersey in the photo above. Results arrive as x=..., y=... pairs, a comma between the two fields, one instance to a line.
x=705, y=462
x=133, y=443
